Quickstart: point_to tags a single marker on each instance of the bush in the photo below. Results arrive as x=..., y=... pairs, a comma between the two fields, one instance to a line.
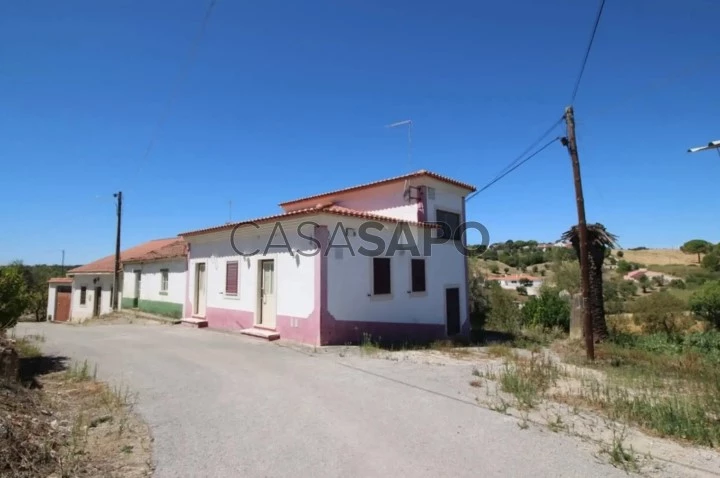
x=660, y=312
x=14, y=298
x=620, y=254
x=711, y=262
x=623, y=267
x=706, y=302
x=495, y=269
x=503, y=314
x=478, y=304
x=548, y=310
x=677, y=284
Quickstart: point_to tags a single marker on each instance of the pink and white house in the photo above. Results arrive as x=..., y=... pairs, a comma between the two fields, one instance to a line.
x=324, y=272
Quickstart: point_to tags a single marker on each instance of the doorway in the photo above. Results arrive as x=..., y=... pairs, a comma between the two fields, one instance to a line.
x=266, y=294
x=138, y=279
x=200, y=297
x=452, y=310
x=63, y=298
x=98, y=301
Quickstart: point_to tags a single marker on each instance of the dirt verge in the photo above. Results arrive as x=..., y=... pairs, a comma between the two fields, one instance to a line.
x=59, y=421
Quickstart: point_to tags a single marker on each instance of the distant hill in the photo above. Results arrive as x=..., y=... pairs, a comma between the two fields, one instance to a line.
x=658, y=256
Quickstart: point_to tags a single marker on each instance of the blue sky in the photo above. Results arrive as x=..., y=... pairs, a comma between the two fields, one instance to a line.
x=286, y=99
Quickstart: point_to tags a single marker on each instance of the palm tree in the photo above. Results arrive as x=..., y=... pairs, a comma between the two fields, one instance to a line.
x=599, y=241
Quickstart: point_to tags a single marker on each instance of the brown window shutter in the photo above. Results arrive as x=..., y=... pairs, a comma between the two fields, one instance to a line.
x=231, y=277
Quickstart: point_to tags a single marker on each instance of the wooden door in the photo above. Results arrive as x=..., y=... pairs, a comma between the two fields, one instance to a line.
x=63, y=299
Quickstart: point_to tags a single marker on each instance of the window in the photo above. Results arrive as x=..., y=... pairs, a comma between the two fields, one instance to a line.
x=417, y=270
x=164, y=279
x=381, y=275
x=450, y=223
x=83, y=295
x=231, y=277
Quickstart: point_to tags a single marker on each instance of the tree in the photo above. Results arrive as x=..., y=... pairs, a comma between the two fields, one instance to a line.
x=503, y=313
x=494, y=269
x=696, y=246
x=507, y=269
x=567, y=276
x=535, y=269
x=13, y=295
x=521, y=290
x=599, y=240
x=660, y=312
x=706, y=302
x=644, y=283
x=623, y=267
x=711, y=261
x=547, y=310
x=620, y=254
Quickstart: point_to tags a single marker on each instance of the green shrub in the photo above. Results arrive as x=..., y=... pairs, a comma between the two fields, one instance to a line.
x=706, y=302
x=660, y=312
x=677, y=284
x=547, y=310
x=503, y=313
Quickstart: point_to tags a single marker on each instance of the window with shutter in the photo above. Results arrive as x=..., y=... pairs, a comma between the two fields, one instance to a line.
x=418, y=275
x=381, y=276
x=449, y=223
x=231, y=278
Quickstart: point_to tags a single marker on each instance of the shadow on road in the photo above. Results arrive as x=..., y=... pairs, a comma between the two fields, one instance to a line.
x=33, y=367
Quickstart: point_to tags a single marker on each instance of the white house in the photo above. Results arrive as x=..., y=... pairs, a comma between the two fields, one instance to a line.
x=155, y=281
x=512, y=282
x=87, y=290
x=329, y=269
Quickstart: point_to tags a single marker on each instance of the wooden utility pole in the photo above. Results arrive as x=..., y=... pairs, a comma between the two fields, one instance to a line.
x=571, y=143
x=116, y=278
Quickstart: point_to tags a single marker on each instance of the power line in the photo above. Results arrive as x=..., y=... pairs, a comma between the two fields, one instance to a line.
x=531, y=147
x=511, y=169
x=182, y=73
x=513, y=165
x=587, y=52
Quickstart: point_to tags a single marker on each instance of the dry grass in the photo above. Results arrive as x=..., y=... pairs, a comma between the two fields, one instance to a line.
x=660, y=256
x=64, y=423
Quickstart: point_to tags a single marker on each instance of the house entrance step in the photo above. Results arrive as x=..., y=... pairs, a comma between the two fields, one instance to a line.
x=261, y=333
x=193, y=322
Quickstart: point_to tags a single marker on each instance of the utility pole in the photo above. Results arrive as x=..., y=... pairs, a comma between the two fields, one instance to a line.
x=116, y=279
x=571, y=143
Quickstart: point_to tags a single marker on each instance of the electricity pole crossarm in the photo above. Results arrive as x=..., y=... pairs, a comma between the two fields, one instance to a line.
x=571, y=143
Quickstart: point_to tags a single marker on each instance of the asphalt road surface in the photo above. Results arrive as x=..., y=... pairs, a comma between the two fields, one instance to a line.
x=224, y=405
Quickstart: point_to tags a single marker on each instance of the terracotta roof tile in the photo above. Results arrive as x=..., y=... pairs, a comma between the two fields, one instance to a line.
x=416, y=174
x=321, y=209
x=157, y=249
x=60, y=280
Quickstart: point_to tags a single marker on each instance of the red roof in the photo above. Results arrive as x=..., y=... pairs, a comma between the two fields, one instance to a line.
x=152, y=250
x=416, y=174
x=323, y=209
x=61, y=280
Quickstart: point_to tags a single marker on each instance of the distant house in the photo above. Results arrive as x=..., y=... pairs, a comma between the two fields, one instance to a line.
x=301, y=274
x=512, y=282
x=635, y=275
x=87, y=290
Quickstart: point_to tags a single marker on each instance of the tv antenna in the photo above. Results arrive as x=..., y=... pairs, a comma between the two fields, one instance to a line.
x=409, y=124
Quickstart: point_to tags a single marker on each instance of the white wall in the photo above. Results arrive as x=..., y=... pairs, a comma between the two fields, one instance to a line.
x=447, y=197
x=533, y=289
x=81, y=312
x=350, y=282
x=295, y=275
x=151, y=280
x=52, y=288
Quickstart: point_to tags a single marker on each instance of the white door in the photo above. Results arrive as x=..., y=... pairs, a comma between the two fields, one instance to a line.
x=200, y=289
x=267, y=294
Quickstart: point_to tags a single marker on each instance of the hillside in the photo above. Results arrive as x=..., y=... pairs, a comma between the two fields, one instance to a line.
x=659, y=257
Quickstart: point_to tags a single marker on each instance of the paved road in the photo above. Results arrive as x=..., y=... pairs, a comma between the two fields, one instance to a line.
x=223, y=405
